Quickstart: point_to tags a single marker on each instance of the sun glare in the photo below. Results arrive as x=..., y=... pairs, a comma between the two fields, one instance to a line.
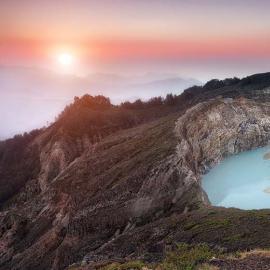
x=65, y=59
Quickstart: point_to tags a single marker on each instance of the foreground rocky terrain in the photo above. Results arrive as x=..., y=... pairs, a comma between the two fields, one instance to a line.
x=108, y=183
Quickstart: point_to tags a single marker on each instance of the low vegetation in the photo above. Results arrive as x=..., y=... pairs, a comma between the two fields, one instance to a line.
x=185, y=257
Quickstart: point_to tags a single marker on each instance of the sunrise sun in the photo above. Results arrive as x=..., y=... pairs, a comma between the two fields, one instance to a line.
x=65, y=59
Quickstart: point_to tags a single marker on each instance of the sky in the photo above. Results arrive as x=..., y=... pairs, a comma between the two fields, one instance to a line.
x=201, y=39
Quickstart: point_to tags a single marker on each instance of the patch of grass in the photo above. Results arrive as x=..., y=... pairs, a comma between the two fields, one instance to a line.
x=259, y=214
x=263, y=252
x=209, y=224
x=244, y=254
x=234, y=238
x=136, y=265
x=187, y=257
x=212, y=212
x=217, y=223
x=190, y=226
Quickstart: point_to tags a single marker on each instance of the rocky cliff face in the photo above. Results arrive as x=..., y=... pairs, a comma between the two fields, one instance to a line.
x=212, y=130
x=95, y=192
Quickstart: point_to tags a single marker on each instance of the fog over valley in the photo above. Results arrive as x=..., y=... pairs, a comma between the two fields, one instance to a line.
x=33, y=97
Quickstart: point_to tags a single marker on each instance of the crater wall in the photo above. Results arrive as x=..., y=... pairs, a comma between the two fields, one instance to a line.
x=212, y=130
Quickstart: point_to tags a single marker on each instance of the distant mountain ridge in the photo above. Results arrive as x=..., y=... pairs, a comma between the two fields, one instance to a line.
x=40, y=94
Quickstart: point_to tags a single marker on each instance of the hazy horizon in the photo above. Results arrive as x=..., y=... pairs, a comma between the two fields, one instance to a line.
x=33, y=97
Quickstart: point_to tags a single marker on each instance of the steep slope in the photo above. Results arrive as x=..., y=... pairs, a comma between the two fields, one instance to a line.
x=107, y=182
x=88, y=201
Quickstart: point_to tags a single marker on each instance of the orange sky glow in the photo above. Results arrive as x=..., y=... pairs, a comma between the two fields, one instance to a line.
x=110, y=32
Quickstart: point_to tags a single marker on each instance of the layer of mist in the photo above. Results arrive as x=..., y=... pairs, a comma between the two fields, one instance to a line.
x=32, y=97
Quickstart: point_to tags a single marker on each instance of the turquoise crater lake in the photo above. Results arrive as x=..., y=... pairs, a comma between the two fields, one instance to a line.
x=241, y=181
